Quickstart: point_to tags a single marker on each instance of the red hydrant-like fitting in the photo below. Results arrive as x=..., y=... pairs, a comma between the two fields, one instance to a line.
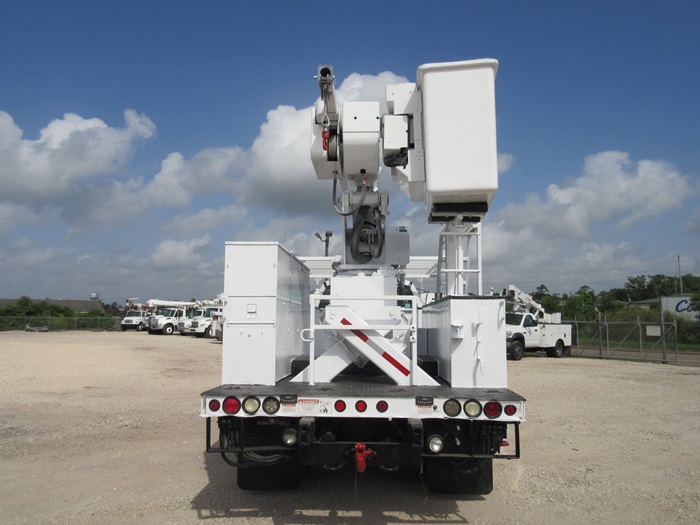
x=361, y=454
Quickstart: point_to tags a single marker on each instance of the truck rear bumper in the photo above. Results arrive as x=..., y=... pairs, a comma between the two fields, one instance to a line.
x=321, y=443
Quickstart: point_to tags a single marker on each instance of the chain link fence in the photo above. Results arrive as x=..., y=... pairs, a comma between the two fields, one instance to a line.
x=49, y=324
x=662, y=341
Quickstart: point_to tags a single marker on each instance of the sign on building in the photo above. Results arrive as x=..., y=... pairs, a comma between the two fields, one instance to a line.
x=681, y=305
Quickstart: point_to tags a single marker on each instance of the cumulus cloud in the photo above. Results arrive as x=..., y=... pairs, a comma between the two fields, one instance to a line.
x=67, y=151
x=77, y=171
x=612, y=186
x=186, y=254
x=552, y=229
x=505, y=162
x=206, y=220
x=212, y=170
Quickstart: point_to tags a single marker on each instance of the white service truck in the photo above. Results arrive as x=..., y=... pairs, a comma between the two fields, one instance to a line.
x=530, y=328
x=168, y=315
x=360, y=372
x=202, y=322
x=136, y=316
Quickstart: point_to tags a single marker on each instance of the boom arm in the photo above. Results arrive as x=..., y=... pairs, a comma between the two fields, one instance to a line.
x=523, y=302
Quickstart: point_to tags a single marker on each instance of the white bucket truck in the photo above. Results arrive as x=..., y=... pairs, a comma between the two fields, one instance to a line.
x=135, y=317
x=202, y=320
x=530, y=328
x=362, y=374
x=168, y=315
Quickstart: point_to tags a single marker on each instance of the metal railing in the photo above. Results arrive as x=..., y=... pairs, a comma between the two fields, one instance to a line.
x=647, y=341
x=49, y=323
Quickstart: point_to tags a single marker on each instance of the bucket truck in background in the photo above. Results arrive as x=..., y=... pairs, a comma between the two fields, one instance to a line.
x=530, y=328
x=361, y=373
x=168, y=315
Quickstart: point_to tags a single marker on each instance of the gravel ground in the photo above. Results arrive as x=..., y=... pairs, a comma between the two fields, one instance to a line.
x=103, y=427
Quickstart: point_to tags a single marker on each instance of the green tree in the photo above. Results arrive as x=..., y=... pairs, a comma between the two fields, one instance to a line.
x=581, y=305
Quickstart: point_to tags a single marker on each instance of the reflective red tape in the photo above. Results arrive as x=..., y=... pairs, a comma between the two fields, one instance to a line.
x=396, y=364
x=405, y=371
x=358, y=333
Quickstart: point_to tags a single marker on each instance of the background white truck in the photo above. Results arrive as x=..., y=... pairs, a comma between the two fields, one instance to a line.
x=168, y=315
x=202, y=322
x=135, y=317
x=530, y=328
x=360, y=373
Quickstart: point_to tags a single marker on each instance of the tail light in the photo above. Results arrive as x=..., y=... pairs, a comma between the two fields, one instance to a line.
x=339, y=405
x=214, y=405
x=382, y=406
x=361, y=406
x=492, y=409
x=232, y=405
x=510, y=410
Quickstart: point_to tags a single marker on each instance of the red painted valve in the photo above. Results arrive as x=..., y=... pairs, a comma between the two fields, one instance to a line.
x=361, y=454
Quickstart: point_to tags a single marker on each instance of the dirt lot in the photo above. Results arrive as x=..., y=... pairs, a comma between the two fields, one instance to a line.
x=103, y=428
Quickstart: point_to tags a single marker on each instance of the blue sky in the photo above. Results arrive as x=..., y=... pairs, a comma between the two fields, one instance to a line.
x=137, y=137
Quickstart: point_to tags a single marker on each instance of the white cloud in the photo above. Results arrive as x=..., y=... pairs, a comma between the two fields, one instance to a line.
x=210, y=171
x=180, y=255
x=68, y=151
x=206, y=220
x=72, y=174
x=505, y=162
x=611, y=187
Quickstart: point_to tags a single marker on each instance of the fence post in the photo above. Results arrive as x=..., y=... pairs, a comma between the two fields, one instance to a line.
x=675, y=328
x=641, y=339
x=600, y=338
x=663, y=338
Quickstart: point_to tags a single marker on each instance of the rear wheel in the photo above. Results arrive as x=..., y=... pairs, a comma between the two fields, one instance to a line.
x=208, y=333
x=516, y=351
x=123, y=328
x=140, y=327
x=168, y=329
x=445, y=476
x=557, y=350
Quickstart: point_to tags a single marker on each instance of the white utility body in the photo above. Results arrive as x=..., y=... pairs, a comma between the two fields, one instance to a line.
x=529, y=327
x=168, y=315
x=136, y=316
x=347, y=361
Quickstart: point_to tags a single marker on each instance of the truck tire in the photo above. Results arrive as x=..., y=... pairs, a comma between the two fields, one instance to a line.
x=168, y=329
x=208, y=333
x=557, y=350
x=515, y=352
x=445, y=476
x=140, y=327
x=283, y=476
x=123, y=328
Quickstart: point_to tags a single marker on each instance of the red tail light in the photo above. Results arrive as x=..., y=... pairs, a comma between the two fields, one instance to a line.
x=382, y=406
x=232, y=405
x=214, y=405
x=510, y=410
x=360, y=406
x=492, y=409
x=339, y=405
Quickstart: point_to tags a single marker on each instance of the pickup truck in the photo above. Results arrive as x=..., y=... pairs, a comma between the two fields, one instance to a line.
x=525, y=332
